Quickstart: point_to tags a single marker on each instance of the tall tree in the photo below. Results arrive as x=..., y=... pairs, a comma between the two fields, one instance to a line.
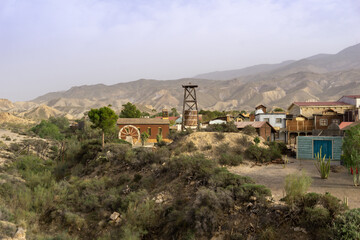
x=130, y=111
x=351, y=151
x=103, y=118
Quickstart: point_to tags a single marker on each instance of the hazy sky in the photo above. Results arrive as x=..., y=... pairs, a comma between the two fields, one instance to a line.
x=52, y=45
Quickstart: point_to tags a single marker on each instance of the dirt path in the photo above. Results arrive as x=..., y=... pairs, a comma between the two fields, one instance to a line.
x=339, y=184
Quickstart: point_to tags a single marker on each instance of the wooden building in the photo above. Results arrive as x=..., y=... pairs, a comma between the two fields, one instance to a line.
x=323, y=121
x=263, y=129
x=308, y=109
x=309, y=146
x=131, y=128
x=298, y=126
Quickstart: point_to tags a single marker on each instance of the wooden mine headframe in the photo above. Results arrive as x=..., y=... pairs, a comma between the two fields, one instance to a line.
x=190, y=103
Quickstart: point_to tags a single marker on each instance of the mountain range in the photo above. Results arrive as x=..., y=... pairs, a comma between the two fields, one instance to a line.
x=322, y=77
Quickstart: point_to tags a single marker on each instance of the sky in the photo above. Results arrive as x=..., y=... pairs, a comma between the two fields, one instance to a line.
x=53, y=45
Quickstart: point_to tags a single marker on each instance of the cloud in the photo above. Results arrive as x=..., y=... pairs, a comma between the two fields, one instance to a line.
x=56, y=44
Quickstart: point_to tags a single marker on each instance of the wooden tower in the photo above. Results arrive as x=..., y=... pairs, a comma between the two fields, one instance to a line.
x=190, y=114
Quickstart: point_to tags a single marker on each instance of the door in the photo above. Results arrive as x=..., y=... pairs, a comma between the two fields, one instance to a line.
x=326, y=148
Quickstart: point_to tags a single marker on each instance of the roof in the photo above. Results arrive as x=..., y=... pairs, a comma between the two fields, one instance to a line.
x=344, y=124
x=353, y=124
x=259, y=106
x=320, y=103
x=351, y=96
x=145, y=121
x=257, y=124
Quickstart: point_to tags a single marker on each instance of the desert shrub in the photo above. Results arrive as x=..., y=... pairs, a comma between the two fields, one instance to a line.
x=347, y=225
x=7, y=138
x=190, y=147
x=249, y=130
x=256, y=140
x=195, y=167
x=15, y=147
x=230, y=159
x=244, y=141
x=219, y=136
x=274, y=151
x=119, y=153
x=224, y=127
x=269, y=234
x=89, y=150
x=316, y=217
x=206, y=209
x=258, y=154
x=296, y=186
x=223, y=178
x=223, y=148
x=46, y=129
x=245, y=191
x=175, y=135
x=206, y=147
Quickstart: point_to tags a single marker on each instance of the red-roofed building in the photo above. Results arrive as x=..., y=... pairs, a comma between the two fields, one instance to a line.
x=308, y=109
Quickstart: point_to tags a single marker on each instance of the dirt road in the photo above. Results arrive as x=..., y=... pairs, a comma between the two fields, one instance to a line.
x=339, y=184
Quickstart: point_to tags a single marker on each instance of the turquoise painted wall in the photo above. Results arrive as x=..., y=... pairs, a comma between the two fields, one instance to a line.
x=305, y=146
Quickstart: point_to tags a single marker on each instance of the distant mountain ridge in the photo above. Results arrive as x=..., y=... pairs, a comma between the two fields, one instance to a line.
x=322, y=77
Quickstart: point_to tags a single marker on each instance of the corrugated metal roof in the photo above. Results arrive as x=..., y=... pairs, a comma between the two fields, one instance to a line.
x=256, y=124
x=320, y=103
x=145, y=121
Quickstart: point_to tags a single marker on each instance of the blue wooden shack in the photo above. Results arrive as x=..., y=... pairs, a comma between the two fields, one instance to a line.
x=308, y=146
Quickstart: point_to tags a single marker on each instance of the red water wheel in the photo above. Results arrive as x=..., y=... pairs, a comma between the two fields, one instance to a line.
x=130, y=133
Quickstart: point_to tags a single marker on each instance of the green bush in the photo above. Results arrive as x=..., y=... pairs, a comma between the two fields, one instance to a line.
x=247, y=190
x=244, y=141
x=223, y=148
x=258, y=154
x=224, y=127
x=296, y=186
x=190, y=147
x=230, y=159
x=347, y=225
x=46, y=129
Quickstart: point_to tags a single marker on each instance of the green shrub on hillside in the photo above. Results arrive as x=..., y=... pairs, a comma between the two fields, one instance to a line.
x=296, y=186
x=230, y=159
x=347, y=225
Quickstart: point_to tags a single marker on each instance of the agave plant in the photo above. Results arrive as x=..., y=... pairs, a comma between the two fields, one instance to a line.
x=322, y=166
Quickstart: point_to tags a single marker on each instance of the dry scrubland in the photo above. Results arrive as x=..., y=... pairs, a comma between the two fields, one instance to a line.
x=171, y=192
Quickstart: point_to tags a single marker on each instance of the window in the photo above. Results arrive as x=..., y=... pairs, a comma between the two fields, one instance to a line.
x=278, y=120
x=160, y=131
x=337, y=121
x=323, y=122
x=149, y=131
x=266, y=119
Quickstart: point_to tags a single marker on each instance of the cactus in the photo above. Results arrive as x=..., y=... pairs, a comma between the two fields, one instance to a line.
x=322, y=166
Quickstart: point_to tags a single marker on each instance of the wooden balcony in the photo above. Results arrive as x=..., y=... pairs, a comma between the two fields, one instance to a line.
x=299, y=126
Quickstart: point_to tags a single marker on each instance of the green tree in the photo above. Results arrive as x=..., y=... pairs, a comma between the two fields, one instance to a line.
x=130, y=111
x=174, y=112
x=103, y=118
x=61, y=122
x=46, y=129
x=351, y=151
x=278, y=110
x=144, y=137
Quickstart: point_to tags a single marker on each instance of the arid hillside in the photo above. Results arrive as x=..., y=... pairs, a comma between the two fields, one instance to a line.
x=322, y=77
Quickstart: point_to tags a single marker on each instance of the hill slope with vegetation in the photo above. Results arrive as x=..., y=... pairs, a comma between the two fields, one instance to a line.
x=69, y=187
